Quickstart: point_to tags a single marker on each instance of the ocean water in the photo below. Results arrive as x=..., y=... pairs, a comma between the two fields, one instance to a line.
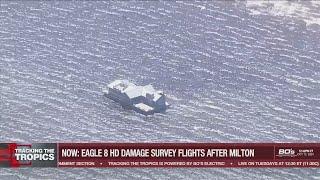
x=233, y=72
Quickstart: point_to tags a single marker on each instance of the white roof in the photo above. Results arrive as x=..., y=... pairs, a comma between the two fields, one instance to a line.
x=121, y=85
x=157, y=95
x=133, y=91
x=148, y=89
x=144, y=107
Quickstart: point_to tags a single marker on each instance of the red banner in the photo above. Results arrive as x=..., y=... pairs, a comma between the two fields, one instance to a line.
x=188, y=155
x=160, y=155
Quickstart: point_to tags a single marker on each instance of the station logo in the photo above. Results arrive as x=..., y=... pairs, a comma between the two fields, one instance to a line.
x=289, y=152
x=295, y=152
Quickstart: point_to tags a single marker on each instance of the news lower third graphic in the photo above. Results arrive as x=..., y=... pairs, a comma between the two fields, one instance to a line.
x=28, y=155
x=113, y=155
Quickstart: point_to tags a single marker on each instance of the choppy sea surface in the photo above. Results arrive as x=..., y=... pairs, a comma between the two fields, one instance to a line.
x=233, y=72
